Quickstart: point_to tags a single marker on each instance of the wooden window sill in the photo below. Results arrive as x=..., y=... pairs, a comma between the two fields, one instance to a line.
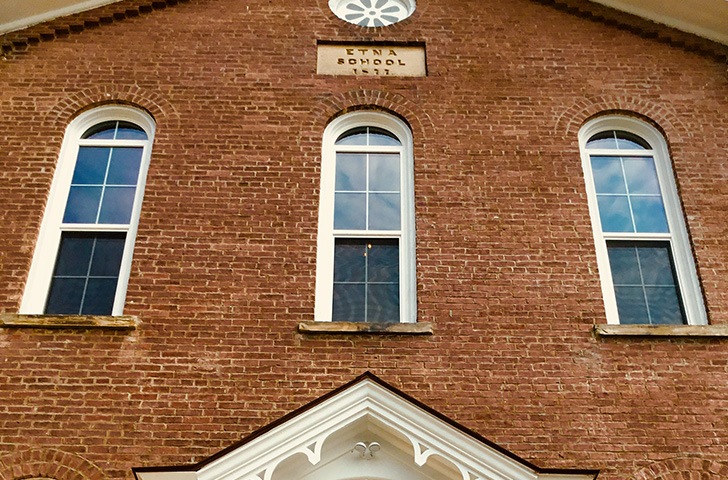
x=123, y=322
x=661, y=331
x=421, y=328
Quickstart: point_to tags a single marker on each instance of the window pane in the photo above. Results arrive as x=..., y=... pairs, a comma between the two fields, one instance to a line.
x=74, y=255
x=383, y=261
x=65, y=295
x=380, y=137
x=350, y=260
x=351, y=171
x=349, y=300
x=626, y=141
x=107, y=255
x=641, y=175
x=383, y=303
x=129, y=131
x=82, y=205
x=99, y=298
x=91, y=166
x=665, y=306
x=355, y=136
x=624, y=265
x=101, y=131
x=614, y=213
x=602, y=140
x=656, y=265
x=350, y=211
x=124, y=166
x=384, y=211
x=649, y=214
x=608, y=177
x=384, y=172
x=631, y=305
x=117, y=204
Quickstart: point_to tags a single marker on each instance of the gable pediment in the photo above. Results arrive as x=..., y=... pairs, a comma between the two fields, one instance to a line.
x=364, y=430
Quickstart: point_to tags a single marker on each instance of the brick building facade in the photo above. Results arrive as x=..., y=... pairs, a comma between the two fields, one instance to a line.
x=512, y=340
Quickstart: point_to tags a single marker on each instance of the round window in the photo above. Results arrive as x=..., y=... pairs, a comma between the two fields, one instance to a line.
x=372, y=13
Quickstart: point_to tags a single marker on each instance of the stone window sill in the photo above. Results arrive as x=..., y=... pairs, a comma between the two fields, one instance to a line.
x=661, y=331
x=123, y=322
x=420, y=328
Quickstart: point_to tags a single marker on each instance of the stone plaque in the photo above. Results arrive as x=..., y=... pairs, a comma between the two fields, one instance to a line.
x=371, y=60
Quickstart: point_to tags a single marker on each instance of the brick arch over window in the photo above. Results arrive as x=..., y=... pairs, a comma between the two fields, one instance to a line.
x=334, y=106
x=154, y=102
x=48, y=463
x=685, y=468
x=572, y=118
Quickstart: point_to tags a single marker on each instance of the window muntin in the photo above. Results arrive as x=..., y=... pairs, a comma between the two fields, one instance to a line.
x=83, y=256
x=365, y=261
x=647, y=271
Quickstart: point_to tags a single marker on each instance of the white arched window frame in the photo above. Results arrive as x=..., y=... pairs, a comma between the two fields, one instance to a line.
x=676, y=236
x=327, y=234
x=53, y=226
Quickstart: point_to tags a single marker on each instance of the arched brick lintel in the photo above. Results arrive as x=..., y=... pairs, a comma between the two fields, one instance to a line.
x=159, y=107
x=48, y=463
x=416, y=118
x=658, y=114
x=683, y=468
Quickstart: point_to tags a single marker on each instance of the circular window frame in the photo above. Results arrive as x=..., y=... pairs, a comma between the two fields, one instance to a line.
x=372, y=13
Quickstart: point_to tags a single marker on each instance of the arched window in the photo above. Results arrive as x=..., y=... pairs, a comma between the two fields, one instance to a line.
x=365, y=270
x=83, y=256
x=645, y=263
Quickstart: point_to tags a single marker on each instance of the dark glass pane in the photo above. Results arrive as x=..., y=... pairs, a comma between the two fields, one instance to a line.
x=99, y=298
x=74, y=254
x=383, y=261
x=124, y=166
x=91, y=166
x=348, y=303
x=665, y=306
x=101, y=131
x=624, y=264
x=355, y=136
x=383, y=303
x=657, y=267
x=82, y=205
x=351, y=171
x=380, y=137
x=350, y=211
x=641, y=175
x=614, y=213
x=107, y=255
x=631, y=305
x=350, y=260
x=608, y=177
x=117, y=204
x=384, y=172
x=384, y=211
x=64, y=297
x=627, y=141
x=602, y=140
x=649, y=214
x=129, y=131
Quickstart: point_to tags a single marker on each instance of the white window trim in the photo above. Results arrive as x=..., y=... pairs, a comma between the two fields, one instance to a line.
x=325, y=243
x=46, y=250
x=679, y=240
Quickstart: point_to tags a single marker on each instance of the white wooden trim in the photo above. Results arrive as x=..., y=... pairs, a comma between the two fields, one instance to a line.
x=326, y=234
x=44, y=256
x=680, y=243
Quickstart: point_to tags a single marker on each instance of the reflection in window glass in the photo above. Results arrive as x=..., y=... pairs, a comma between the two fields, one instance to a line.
x=645, y=282
x=366, y=280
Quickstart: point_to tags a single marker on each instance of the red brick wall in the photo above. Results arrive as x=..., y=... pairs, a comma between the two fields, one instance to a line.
x=224, y=265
